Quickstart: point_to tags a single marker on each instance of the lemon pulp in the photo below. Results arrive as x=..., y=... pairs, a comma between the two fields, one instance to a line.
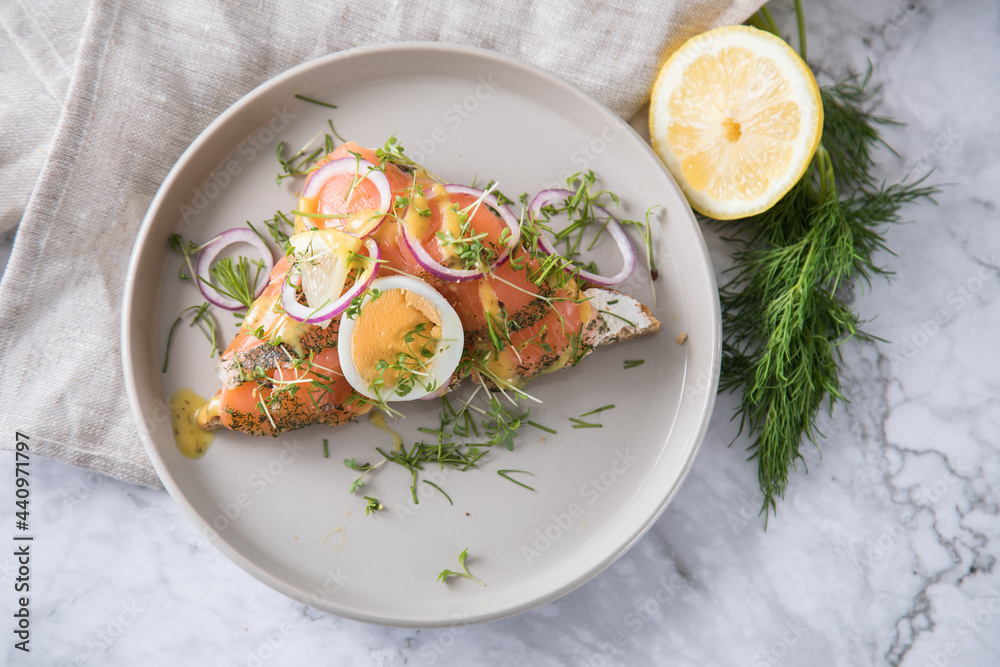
x=736, y=116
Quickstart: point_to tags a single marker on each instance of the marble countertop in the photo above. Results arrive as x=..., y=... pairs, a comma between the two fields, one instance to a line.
x=884, y=553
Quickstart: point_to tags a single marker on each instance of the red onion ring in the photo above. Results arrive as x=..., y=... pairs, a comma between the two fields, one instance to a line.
x=212, y=249
x=429, y=264
x=352, y=167
x=546, y=197
x=302, y=313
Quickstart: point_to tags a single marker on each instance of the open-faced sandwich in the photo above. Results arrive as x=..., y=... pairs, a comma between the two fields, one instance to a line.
x=396, y=286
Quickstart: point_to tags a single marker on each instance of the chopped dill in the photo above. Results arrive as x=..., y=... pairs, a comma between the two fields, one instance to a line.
x=464, y=435
x=601, y=409
x=505, y=474
x=309, y=99
x=427, y=481
x=333, y=131
x=540, y=427
x=619, y=317
x=304, y=160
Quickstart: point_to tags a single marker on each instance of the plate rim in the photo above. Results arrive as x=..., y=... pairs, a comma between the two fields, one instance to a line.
x=128, y=349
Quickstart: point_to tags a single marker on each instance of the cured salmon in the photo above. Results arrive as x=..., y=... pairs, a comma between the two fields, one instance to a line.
x=280, y=374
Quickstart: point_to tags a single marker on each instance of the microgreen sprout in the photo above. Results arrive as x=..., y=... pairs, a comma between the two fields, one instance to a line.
x=465, y=570
x=373, y=505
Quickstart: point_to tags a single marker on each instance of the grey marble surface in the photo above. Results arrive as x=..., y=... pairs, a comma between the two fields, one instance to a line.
x=883, y=554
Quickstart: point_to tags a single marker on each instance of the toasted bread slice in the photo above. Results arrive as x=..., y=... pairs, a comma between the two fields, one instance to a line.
x=629, y=318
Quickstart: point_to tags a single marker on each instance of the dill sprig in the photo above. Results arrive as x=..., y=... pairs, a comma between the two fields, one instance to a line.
x=783, y=315
x=202, y=317
x=231, y=277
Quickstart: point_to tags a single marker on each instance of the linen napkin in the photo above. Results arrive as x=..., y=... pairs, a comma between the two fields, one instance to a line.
x=149, y=76
x=39, y=47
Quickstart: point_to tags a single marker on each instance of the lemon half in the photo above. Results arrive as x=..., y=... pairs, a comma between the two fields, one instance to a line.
x=736, y=116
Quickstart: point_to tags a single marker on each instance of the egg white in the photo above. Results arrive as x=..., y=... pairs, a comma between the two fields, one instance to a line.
x=447, y=353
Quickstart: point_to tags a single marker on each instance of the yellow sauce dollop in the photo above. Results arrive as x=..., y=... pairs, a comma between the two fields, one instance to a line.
x=377, y=419
x=192, y=440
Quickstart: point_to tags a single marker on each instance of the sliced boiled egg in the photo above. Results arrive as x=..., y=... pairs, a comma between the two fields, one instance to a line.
x=403, y=343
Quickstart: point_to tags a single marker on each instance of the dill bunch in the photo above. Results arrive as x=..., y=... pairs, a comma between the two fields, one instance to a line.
x=783, y=319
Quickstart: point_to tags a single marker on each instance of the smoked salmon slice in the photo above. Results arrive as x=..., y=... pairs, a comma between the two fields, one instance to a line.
x=279, y=374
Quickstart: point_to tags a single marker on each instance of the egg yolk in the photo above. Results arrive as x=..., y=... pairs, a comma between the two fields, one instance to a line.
x=381, y=331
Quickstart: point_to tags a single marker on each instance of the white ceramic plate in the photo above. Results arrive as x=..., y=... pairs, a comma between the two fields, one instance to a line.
x=282, y=511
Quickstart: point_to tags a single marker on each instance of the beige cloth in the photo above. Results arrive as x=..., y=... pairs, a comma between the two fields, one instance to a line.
x=149, y=76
